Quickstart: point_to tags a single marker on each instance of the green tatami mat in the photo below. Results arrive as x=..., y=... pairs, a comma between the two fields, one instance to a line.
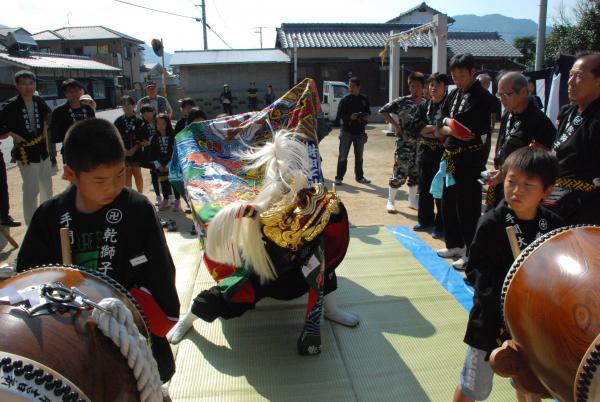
x=408, y=346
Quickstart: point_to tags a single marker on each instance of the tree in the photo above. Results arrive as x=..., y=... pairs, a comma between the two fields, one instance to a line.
x=570, y=36
x=526, y=45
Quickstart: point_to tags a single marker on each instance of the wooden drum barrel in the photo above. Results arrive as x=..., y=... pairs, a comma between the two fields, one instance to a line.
x=551, y=304
x=63, y=354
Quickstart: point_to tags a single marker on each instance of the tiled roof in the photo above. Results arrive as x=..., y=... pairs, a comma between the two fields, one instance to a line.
x=423, y=7
x=38, y=60
x=480, y=44
x=46, y=35
x=83, y=33
x=232, y=56
x=337, y=35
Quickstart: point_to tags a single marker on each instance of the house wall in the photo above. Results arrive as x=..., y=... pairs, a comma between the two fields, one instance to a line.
x=115, y=57
x=204, y=83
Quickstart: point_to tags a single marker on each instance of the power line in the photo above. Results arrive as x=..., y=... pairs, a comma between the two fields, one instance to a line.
x=159, y=11
x=177, y=15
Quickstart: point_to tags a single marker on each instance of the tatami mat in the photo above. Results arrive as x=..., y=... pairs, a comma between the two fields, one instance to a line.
x=408, y=346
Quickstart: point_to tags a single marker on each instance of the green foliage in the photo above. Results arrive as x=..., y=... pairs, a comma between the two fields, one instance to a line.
x=526, y=45
x=570, y=37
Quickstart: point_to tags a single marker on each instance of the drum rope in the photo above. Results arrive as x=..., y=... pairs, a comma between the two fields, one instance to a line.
x=117, y=324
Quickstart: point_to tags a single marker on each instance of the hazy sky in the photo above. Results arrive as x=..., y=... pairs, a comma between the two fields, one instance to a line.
x=234, y=20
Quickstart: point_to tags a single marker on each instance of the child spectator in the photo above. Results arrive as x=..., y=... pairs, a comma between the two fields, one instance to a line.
x=186, y=105
x=529, y=174
x=129, y=127
x=145, y=133
x=112, y=227
x=161, y=149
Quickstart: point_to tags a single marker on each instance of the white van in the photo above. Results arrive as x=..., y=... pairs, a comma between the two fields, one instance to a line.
x=333, y=92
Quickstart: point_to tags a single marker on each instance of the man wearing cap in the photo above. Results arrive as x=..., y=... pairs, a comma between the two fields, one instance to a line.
x=227, y=100
x=159, y=103
x=71, y=112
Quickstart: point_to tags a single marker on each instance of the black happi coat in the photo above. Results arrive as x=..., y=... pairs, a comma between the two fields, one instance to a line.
x=14, y=118
x=123, y=240
x=518, y=130
x=489, y=261
x=64, y=117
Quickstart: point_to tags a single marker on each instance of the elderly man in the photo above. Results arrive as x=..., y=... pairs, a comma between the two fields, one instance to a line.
x=159, y=103
x=576, y=194
x=523, y=124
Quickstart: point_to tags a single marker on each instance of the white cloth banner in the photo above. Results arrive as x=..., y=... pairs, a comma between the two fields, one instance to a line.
x=554, y=99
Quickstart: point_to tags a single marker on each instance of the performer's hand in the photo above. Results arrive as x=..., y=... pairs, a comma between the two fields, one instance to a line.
x=354, y=116
x=398, y=128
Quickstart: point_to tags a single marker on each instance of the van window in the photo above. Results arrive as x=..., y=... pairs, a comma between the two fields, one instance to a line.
x=339, y=91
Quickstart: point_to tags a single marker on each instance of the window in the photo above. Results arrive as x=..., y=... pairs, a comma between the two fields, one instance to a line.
x=75, y=50
x=103, y=49
x=90, y=50
x=339, y=91
x=98, y=90
x=47, y=89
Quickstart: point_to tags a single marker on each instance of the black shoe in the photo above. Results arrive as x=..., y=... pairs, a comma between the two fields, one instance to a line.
x=338, y=181
x=363, y=180
x=171, y=225
x=10, y=222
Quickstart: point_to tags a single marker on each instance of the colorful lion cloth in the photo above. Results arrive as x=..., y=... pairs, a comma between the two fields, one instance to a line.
x=270, y=226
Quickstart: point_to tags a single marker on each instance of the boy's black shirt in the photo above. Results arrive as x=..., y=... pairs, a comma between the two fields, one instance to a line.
x=518, y=130
x=106, y=240
x=489, y=261
x=353, y=104
x=64, y=117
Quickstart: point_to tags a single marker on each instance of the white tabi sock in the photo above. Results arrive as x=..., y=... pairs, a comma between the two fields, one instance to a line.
x=413, y=197
x=391, y=207
x=333, y=313
x=185, y=323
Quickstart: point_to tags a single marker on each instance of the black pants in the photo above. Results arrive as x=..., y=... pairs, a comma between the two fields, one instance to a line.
x=4, y=204
x=487, y=148
x=227, y=109
x=161, y=350
x=346, y=141
x=578, y=208
x=210, y=304
x=461, y=203
x=428, y=162
x=252, y=104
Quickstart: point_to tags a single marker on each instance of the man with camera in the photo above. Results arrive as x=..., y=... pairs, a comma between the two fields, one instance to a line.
x=353, y=112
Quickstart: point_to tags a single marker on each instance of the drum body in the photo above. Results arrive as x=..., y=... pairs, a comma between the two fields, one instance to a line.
x=68, y=347
x=551, y=304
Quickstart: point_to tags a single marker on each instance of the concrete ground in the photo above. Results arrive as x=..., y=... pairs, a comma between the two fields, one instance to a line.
x=365, y=203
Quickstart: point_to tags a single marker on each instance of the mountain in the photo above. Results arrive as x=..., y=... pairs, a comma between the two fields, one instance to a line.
x=150, y=57
x=509, y=28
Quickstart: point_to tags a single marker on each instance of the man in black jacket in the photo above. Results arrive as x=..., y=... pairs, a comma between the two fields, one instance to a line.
x=576, y=195
x=72, y=111
x=522, y=125
x=354, y=112
x=469, y=106
x=25, y=119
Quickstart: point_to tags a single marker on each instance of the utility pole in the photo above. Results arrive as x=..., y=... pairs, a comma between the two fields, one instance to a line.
x=259, y=31
x=203, y=5
x=541, y=36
